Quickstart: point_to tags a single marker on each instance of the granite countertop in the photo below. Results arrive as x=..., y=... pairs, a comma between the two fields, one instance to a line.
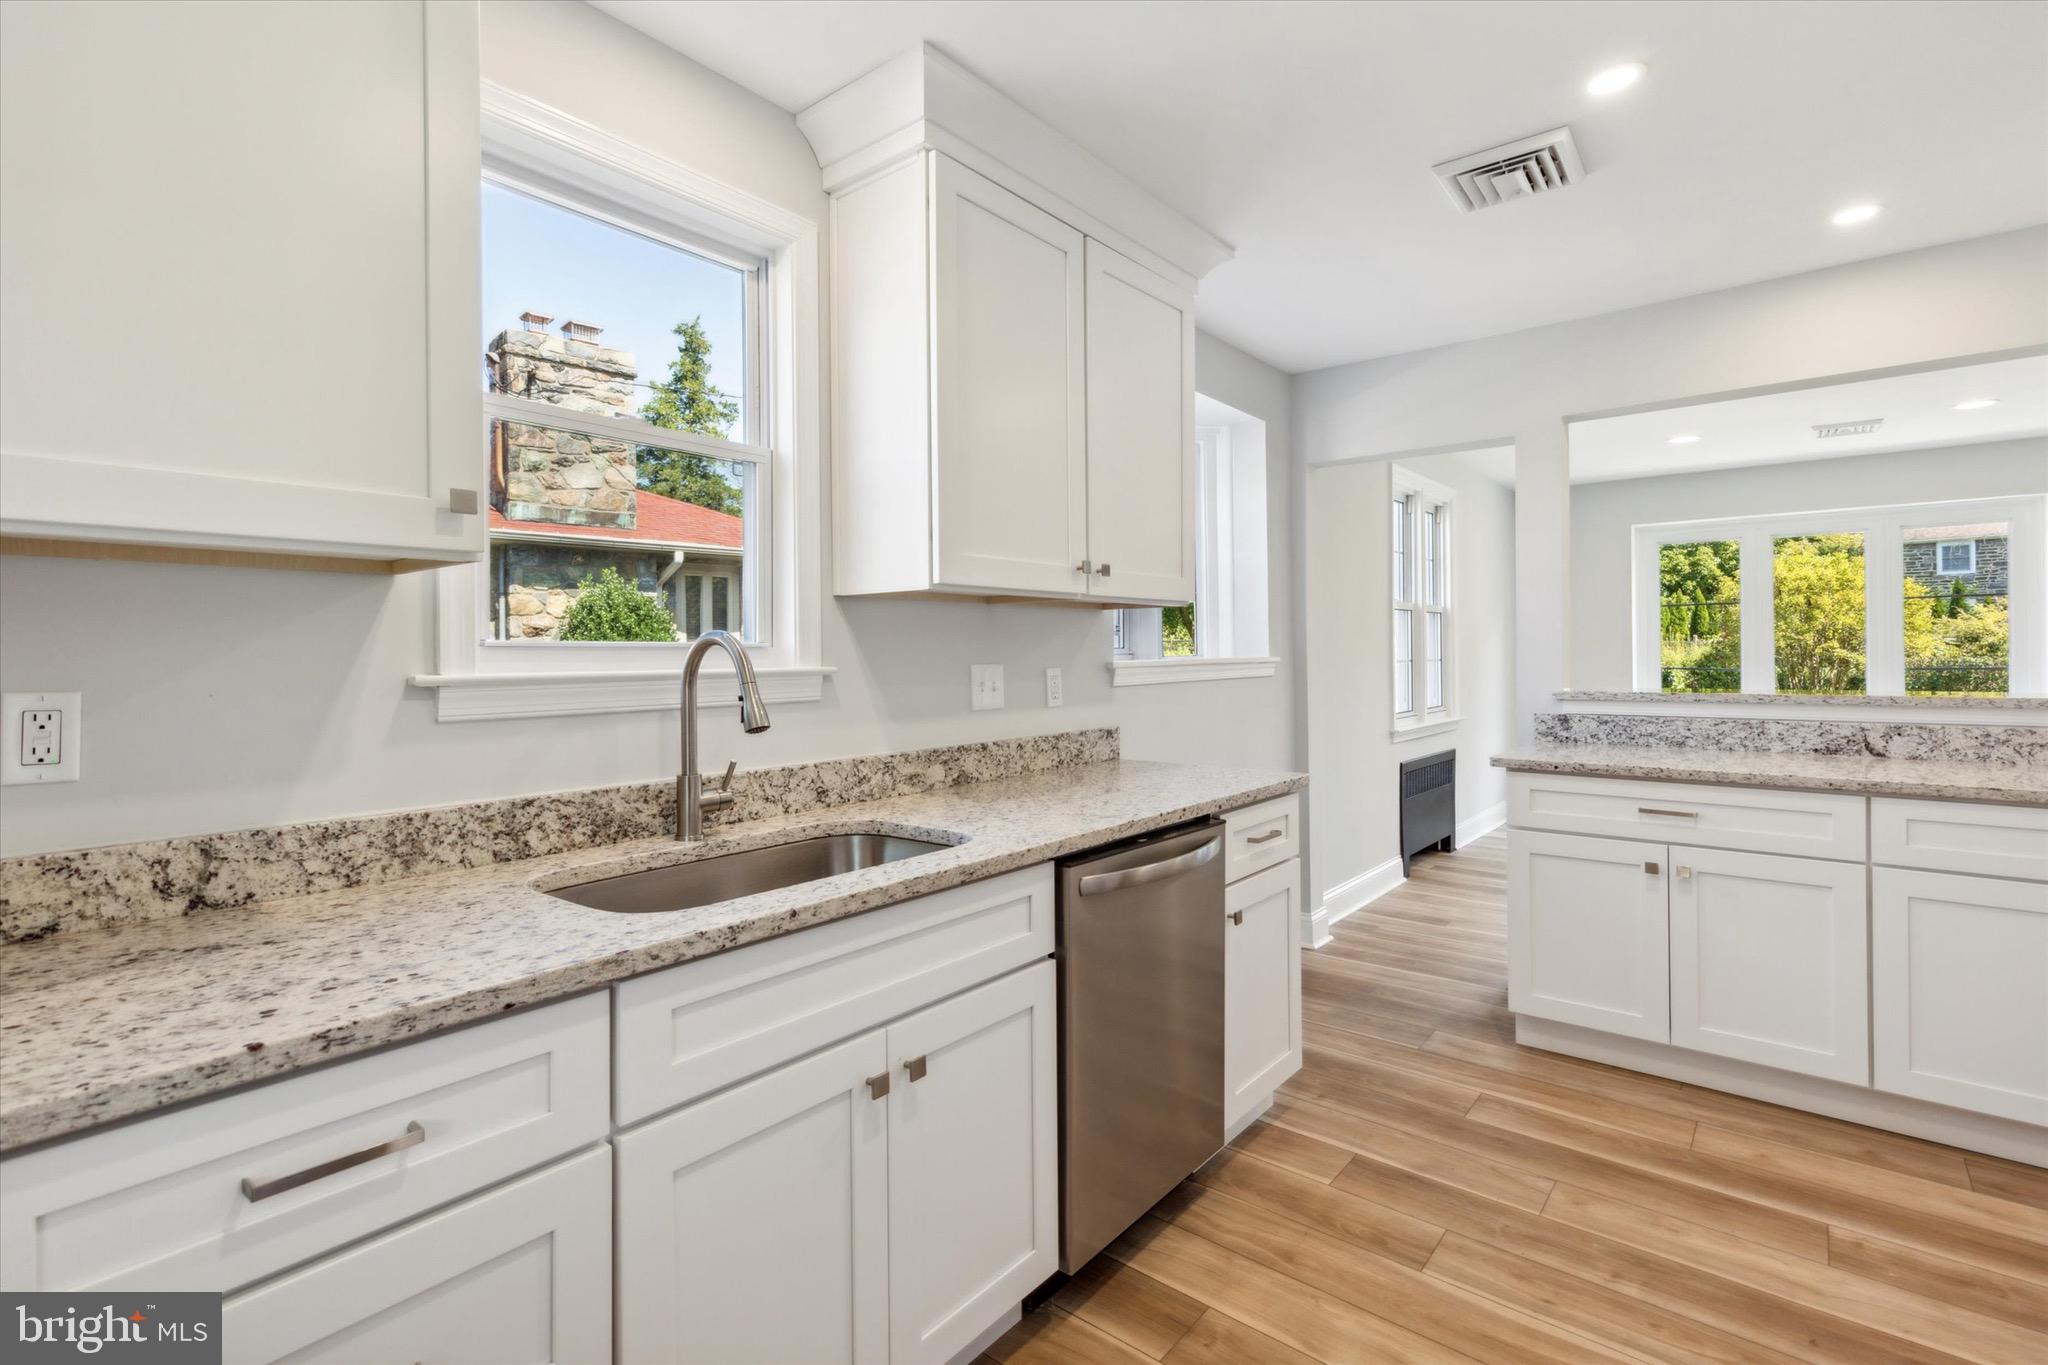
x=105, y=1024
x=1934, y=778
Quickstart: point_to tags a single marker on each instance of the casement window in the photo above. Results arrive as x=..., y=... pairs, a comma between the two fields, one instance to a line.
x=1422, y=646
x=1929, y=599
x=1223, y=632
x=647, y=350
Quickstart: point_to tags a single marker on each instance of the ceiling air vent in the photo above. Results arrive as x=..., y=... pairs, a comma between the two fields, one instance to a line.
x=1534, y=165
x=1862, y=428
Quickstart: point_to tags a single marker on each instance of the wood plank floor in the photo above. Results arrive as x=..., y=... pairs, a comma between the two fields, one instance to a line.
x=1426, y=1190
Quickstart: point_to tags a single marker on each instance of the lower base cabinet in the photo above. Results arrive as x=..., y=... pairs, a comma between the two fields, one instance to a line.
x=1959, y=976
x=516, y=1276
x=1588, y=933
x=885, y=1199
x=1261, y=987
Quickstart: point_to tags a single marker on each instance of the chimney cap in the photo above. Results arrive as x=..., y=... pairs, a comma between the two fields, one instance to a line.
x=536, y=322
x=581, y=331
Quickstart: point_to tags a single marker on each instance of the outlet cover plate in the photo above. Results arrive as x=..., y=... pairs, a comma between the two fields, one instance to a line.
x=16, y=712
x=1055, y=688
x=985, y=686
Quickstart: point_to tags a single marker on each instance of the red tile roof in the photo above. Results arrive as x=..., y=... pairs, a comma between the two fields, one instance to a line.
x=657, y=521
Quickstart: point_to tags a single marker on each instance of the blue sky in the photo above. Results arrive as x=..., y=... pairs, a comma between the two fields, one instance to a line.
x=541, y=258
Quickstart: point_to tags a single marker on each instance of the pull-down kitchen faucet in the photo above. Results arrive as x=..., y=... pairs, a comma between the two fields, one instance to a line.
x=691, y=798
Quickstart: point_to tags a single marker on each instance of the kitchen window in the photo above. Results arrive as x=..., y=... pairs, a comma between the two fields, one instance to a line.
x=647, y=354
x=1422, y=646
x=1932, y=599
x=1222, y=633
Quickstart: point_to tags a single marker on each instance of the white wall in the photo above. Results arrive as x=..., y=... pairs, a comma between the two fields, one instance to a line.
x=1965, y=299
x=226, y=698
x=1349, y=610
x=1605, y=514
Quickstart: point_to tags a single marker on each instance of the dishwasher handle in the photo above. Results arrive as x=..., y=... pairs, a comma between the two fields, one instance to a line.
x=1099, y=883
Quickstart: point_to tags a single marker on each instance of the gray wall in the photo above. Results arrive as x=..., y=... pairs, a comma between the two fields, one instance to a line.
x=1605, y=514
x=226, y=698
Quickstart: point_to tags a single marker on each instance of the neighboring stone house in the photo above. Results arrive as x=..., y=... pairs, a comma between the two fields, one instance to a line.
x=564, y=506
x=1972, y=555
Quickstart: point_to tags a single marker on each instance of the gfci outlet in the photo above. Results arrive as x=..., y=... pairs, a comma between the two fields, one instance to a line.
x=39, y=737
x=1055, y=690
x=985, y=684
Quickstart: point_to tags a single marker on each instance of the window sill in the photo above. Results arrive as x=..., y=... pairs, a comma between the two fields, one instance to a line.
x=1423, y=729
x=508, y=696
x=1148, y=672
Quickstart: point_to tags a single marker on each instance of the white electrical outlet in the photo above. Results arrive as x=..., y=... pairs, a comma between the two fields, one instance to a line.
x=985, y=686
x=39, y=737
x=1055, y=690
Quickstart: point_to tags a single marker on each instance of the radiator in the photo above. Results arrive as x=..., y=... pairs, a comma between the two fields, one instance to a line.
x=1429, y=805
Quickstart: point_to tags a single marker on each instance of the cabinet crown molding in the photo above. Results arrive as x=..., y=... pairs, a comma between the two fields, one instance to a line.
x=924, y=98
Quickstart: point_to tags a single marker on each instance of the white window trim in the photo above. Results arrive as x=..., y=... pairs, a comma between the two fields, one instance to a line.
x=479, y=680
x=1151, y=672
x=1426, y=719
x=1964, y=572
x=1883, y=600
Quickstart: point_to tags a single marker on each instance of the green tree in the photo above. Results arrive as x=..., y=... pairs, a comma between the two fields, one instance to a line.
x=1177, y=631
x=1699, y=588
x=1958, y=600
x=687, y=401
x=1818, y=612
x=609, y=608
x=1948, y=652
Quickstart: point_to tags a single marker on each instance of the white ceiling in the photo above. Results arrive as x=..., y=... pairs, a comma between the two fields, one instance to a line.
x=1303, y=134
x=1918, y=412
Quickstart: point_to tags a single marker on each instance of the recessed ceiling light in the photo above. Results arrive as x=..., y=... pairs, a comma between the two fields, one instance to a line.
x=1685, y=439
x=1855, y=214
x=1972, y=404
x=1616, y=79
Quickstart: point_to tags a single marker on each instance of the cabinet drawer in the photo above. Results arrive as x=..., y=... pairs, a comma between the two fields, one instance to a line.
x=1957, y=836
x=691, y=1029
x=162, y=1202
x=1753, y=819
x=1261, y=836
x=522, y=1273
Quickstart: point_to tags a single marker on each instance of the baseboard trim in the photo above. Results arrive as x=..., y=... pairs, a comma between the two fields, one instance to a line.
x=1349, y=897
x=1988, y=1133
x=1482, y=824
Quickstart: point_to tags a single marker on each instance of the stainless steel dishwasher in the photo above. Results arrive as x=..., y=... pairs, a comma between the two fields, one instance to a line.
x=1141, y=1028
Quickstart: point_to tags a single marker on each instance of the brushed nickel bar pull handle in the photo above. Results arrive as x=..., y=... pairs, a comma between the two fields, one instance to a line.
x=257, y=1190
x=878, y=1086
x=1675, y=814
x=1267, y=837
x=1096, y=883
x=1237, y=917
x=916, y=1067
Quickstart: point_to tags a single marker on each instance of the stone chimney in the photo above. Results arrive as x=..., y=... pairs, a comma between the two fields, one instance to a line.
x=541, y=474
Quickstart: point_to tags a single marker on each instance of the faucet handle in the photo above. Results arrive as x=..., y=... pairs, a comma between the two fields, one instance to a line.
x=725, y=782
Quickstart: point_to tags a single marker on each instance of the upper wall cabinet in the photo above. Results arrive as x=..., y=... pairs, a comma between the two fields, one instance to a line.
x=240, y=252
x=1013, y=377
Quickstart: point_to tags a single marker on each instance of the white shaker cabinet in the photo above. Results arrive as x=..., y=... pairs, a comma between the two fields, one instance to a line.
x=1767, y=961
x=518, y=1276
x=1588, y=933
x=1959, y=973
x=1261, y=988
x=240, y=247
x=1013, y=402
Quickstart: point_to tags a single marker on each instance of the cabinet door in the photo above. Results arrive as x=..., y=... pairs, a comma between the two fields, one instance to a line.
x=1587, y=933
x=518, y=1275
x=973, y=1163
x=1768, y=961
x=1261, y=987
x=1141, y=432
x=751, y=1224
x=240, y=245
x=1010, y=467
x=1957, y=966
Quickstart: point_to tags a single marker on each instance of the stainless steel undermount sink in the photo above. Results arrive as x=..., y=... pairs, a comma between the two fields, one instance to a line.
x=732, y=875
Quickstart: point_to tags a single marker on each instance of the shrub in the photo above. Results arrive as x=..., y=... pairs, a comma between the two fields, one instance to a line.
x=609, y=608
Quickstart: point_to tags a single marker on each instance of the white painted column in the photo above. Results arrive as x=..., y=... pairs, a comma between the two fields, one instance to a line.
x=1543, y=571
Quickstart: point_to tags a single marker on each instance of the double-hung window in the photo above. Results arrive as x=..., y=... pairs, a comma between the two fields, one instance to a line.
x=1422, y=645
x=647, y=353
x=1929, y=599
